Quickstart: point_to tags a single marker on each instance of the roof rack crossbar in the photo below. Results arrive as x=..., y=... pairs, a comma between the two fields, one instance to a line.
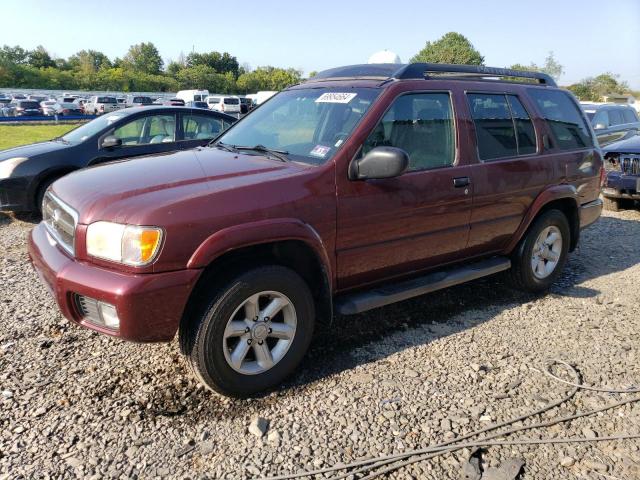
x=426, y=71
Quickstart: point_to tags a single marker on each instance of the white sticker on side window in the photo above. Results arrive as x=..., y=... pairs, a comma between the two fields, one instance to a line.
x=336, y=97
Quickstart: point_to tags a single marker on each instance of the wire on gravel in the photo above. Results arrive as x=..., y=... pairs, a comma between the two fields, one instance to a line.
x=396, y=461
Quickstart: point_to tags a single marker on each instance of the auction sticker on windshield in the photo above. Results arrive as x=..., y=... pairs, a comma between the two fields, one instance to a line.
x=319, y=151
x=336, y=97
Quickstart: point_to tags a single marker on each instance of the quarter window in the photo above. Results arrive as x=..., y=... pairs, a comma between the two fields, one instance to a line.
x=421, y=125
x=564, y=117
x=629, y=116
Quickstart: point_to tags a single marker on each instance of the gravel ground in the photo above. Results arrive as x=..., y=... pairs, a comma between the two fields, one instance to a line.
x=77, y=404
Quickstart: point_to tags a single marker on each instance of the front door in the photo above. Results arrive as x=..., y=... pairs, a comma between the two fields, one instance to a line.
x=418, y=220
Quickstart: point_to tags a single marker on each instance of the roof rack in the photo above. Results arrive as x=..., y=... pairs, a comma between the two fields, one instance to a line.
x=392, y=71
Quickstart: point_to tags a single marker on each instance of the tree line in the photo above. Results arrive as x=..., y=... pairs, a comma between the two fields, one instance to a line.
x=142, y=69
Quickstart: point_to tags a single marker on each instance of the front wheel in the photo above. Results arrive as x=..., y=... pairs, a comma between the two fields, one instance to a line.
x=251, y=333
x=542, y=253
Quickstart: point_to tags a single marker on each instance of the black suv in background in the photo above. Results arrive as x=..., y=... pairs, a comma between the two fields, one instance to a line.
x=612, y=122
x=26, y=108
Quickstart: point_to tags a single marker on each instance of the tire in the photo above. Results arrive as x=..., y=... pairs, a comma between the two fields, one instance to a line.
x=210, y=351
x=42, y=189
x=611, y=204
x=539, y=278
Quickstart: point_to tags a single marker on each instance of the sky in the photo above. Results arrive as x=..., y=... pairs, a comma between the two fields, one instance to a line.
x=588, y=37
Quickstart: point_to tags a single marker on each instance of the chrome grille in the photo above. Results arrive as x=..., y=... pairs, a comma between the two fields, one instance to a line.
x=60, y=220
x=88, y=309
x=630, y=164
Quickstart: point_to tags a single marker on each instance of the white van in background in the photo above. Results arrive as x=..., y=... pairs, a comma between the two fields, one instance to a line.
x=224, y=103
x=193, y=95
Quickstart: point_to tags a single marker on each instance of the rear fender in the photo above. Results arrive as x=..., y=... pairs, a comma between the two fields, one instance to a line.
x=557, y=192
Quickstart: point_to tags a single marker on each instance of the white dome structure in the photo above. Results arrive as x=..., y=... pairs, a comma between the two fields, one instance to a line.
x=384, y=56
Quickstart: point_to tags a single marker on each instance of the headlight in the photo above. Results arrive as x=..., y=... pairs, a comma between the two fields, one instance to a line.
x=128, y=244
x=8, y=166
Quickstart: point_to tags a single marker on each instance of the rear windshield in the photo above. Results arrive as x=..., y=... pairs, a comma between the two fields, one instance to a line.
x=142, y=100
x=29, y=104
x=199, y=98
x=565, y=118
x=107, y=100
x=231, y=101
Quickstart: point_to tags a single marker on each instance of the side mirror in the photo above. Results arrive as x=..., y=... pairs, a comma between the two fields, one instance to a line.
x=379, y=163
x=111, y=141
x=599, y=126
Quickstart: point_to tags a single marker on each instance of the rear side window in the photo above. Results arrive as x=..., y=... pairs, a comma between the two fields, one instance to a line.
x=503, y=126
x=615, y=116
x=629, y=116
x=202, y=127
x=564, y=117
x=422, y=125
x=231, y=101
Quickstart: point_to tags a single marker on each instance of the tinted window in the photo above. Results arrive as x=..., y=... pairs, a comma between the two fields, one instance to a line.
x=600, y=119
x=564, y=118
x=629, y=116
x=146, y=130
x=421, y=125
x=201, y=127
x=231, y=101
x=525, y=133
x=106, y=100
x=495, y=131
x=29, y=104
x=615, y=116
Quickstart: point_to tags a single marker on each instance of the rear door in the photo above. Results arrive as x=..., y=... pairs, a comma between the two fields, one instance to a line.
x=200, y=128
x=419, y=220
x=510, y=171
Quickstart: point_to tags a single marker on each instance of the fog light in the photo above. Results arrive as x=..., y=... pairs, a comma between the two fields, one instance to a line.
x=99, y=313
x=109, y=315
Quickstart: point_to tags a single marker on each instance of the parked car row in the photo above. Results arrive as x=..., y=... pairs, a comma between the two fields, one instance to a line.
x=612, y=122
x=364, y=186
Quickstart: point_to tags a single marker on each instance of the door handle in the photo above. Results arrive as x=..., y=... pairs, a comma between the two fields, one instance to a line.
x=460, y=182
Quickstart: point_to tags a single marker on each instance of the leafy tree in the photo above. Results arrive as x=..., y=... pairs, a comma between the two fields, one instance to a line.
x=451, y=48
x=593, y=89
x=89, y=61
x=268, y=78
x=551, y=67
x=145, y=58
x=15, y=55
x=220, y=62
x=40, y=58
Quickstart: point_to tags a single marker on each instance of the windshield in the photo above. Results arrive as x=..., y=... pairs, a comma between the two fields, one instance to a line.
x=87, y=130
x=310, y=124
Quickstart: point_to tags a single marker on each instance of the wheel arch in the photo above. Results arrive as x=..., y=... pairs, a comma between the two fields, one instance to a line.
x=44, y=177
x=289, y=243
x=561, y=197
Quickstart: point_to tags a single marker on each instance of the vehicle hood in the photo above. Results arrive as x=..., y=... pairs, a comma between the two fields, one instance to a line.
x=630, y=145
x=32, y=150
x=124, y=191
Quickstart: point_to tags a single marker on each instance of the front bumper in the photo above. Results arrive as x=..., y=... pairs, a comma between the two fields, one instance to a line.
x=620, y=185
x=590, y=212
x=150, y=306
x=13, y=194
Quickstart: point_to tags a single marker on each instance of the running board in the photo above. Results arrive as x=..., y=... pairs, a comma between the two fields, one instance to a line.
x=380, y=296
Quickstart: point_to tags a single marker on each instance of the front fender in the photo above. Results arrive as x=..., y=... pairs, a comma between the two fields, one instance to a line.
x=551, y=194
x=256, y=233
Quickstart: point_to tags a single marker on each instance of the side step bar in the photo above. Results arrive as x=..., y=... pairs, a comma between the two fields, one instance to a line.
x=350, y=304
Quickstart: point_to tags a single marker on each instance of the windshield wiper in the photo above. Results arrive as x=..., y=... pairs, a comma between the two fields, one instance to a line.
x=279, y=154
x=224, y=146
x=60, y=139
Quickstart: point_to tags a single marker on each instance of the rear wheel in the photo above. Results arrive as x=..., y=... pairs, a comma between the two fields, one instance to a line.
x=249, y=334
x=542, y=253
x=611, y=204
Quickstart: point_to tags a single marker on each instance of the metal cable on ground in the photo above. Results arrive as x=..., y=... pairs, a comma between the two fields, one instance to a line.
x=397, y=461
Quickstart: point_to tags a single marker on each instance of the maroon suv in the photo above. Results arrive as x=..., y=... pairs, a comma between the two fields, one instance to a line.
x=364, y=186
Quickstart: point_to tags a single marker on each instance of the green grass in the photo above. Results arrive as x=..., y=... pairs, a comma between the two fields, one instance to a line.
x=14, y=135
